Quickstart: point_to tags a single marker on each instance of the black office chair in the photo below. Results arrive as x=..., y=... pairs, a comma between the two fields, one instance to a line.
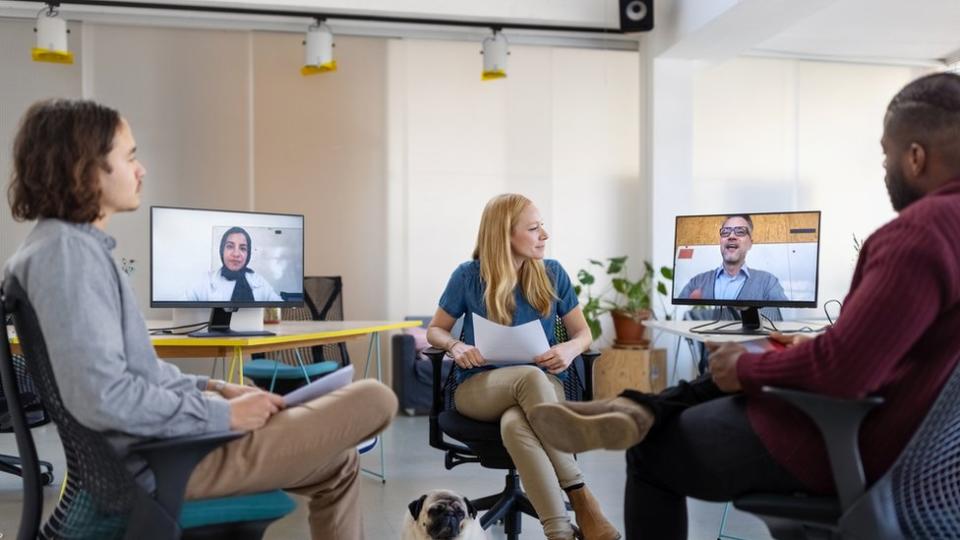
x=919, y=497
x=102, y=499
x=482, y=442
x=289, y=369
x=34, y=413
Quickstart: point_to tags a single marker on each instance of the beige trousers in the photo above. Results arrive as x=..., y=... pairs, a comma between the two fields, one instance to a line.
x=505, y=394
x=309, y=450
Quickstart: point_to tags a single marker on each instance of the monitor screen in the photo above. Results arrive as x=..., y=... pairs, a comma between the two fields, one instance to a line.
x=747, y=260
x=216, y=258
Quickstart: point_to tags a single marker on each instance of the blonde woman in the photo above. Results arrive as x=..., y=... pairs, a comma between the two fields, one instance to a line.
x=509, y=282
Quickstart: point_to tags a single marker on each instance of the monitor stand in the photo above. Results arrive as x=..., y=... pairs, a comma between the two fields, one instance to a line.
x=220, y=326
x=749, y=325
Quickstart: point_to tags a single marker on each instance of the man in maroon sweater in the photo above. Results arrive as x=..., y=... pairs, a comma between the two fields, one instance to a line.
x=898, y=337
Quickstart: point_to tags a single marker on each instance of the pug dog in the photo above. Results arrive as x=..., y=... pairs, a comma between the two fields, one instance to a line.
x=442, y=514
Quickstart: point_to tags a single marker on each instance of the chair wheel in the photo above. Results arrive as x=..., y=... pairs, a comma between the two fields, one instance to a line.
x=46, y=478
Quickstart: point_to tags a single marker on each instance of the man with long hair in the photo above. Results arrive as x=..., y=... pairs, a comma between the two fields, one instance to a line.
x=75, y=167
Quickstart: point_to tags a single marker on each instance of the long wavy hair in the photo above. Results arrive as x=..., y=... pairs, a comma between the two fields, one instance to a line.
x=497, y=268
x=58, y=153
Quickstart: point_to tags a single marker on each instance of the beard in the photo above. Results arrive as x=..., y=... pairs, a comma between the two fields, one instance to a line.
x=901, y=193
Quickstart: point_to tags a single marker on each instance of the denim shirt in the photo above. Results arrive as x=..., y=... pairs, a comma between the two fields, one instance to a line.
x=728, y=288
x=464, y=295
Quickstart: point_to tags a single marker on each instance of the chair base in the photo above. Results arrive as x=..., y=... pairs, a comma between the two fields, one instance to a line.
x=786, y=529
x=245, y=530
x=508, y=506
x=13, y=465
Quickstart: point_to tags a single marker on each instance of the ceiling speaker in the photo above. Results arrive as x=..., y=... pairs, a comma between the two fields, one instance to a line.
x=636, y=15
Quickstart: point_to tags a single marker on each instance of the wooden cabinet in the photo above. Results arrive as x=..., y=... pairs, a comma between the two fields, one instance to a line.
x=619, y=368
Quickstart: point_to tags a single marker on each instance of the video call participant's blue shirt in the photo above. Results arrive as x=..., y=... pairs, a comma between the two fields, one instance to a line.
x=464, y=295
x=728, y=288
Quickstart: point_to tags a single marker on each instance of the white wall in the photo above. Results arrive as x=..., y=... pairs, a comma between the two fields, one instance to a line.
x=772, y=135
x=391, y=158
x=561, y=129
x=24, y=82
x=185, y=94
x=756, y=134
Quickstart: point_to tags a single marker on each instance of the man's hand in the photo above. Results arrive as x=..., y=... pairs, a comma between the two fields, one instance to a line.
x=231, y=390
x=466, y=356
x=251, y=410
x=723, y=365
x=789, y=340
x=558, y=357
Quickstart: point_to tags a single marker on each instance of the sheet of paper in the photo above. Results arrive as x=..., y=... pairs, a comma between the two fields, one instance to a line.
x=320, y=387
x=501, y=344
x=761, y=345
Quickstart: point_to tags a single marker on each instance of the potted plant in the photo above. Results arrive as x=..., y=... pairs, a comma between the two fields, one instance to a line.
x=629, y=302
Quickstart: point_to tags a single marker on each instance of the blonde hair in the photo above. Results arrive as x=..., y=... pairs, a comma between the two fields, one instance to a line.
x=496, y=262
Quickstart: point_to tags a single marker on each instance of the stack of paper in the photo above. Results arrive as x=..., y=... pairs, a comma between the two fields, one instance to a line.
x=499, y=344
x=320, y=387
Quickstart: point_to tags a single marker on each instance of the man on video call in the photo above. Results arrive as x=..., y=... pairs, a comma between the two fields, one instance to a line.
x=733, y=280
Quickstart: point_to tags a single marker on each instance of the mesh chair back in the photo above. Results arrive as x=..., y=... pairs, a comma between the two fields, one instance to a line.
x=29, y=399
x=323, y=301
x=926, y=476
x=100, y=491
x=573, y=387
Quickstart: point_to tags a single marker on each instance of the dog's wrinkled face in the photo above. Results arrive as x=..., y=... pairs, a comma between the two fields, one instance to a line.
x=441, y=513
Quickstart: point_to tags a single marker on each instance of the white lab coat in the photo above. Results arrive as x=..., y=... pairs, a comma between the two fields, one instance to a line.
x=216, y=288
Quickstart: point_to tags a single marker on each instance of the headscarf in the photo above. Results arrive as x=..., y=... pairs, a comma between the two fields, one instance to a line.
x=241, y=290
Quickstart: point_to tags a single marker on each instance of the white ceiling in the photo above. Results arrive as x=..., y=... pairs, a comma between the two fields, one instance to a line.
x=908, y=31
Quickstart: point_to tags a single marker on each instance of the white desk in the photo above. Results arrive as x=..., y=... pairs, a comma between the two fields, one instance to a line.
x=682, y=328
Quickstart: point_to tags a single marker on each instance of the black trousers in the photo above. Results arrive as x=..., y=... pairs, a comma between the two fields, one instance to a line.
x=701, y=445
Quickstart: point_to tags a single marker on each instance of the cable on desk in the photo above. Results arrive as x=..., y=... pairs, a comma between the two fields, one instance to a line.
x=703, y=328
x=827, y=303
x=169, y=330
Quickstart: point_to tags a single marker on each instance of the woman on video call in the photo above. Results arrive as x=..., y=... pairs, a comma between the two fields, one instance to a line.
x=509, y=282
x=234, y=281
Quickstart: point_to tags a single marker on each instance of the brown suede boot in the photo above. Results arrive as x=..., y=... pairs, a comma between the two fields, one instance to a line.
x=577, y=426
x=590, y=519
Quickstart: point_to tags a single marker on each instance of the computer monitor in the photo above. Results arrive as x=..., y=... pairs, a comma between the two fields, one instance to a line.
x=225, y=260
x=747, y=261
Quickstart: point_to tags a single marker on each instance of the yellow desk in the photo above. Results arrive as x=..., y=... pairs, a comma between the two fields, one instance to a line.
x=290, y=335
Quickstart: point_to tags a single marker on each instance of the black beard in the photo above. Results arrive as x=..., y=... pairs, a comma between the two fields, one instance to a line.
x=901, y=194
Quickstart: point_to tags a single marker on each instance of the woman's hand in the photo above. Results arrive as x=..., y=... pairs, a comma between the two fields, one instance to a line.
x=466, y=356
x=559, y=357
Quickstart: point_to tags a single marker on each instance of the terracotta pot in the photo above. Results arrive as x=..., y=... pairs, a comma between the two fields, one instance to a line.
x=629, y=327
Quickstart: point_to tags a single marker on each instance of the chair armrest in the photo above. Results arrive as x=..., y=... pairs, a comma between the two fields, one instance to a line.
x=839, y=422
x=403, y=353
x=589, y=359
x=172, y=461
x=435, y=356
x=436, y=405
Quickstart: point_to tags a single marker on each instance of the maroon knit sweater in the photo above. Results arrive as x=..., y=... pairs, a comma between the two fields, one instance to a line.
x=898, y=337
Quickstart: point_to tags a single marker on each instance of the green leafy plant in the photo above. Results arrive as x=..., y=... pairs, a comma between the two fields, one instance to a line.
x=633, y=298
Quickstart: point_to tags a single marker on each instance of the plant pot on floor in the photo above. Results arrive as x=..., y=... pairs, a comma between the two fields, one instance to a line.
x=629, y=328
